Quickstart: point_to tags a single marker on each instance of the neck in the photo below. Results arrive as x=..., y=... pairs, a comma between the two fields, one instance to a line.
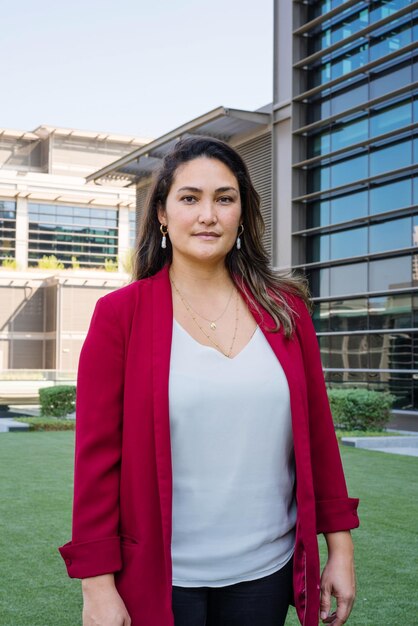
x=201, y=276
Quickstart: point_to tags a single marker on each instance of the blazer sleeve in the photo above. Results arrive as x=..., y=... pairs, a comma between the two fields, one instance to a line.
x=95, y=545
x=335, y=511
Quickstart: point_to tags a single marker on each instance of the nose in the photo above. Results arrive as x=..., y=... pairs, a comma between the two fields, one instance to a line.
x=208, y=212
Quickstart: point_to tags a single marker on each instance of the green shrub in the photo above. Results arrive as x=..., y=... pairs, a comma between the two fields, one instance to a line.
x=10, y=263
x=74, y=263
x=47, y=423
x=50, y=263
x=111, y=265
x=58, y=400
x=360, y=409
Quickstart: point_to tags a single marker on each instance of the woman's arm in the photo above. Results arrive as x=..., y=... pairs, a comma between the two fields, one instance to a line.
x=336, y=513
x=95, y=545
x=102, y=603
x=338, y=578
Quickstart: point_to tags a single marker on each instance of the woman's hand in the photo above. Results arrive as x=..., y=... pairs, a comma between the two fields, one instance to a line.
x=338, y=578
x=102, y=604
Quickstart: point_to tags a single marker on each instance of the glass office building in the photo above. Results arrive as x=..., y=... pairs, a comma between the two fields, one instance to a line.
x=7, y=229
x=355, y=187
x=90, y=235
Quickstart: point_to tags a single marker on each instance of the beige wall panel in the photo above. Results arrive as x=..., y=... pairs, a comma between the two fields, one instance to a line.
x=27, y=354
x=4, y=353
x=71, y=349
x=77, y=307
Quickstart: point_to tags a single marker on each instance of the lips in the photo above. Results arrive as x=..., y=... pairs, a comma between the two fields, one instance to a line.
x=207, y=234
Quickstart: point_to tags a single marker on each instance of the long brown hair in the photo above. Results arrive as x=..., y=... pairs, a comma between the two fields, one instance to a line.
x=248, y=267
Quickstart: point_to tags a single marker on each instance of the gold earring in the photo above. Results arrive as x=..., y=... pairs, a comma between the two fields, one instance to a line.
x=239, y=237
x=164, y=239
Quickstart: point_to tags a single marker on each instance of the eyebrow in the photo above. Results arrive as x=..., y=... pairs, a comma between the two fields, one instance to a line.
x=198, y=190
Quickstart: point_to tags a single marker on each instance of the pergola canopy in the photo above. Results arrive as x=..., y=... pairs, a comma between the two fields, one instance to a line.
x=221, y=123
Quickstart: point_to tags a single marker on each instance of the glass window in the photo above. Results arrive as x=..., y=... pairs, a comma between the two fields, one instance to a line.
x=384, y=9
x=317, y=213
x=349, y=207
x=415, y=109
x=395, y=195
x=132, y=228
x=319, y=282
x=317, y=248
x=66, y=211
x=391, y=311
x=47, y=209
x=390, y=156
x=390, y=41
x=320, y=316
x=318, y=178
x=74, y=233
x=324, y=347
x=348, y=243
x=98, y=214
x=349, y=351
x=391, y=273
x=347, y=133
x=349, y=97
x=348, y=60
x=389, y=80
x=348, y=279
x=348, y=315
x=318, y=144
x=7, y=209
x=391, y=235
x=390, y=118
x=349, y=170
x=391, y=350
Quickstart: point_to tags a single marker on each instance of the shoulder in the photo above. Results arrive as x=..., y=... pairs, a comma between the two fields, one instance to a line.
x=298, y=305
x=126, y=298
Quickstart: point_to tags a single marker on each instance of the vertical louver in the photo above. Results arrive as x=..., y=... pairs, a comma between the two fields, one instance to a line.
x=141, y=198
x=257, y=155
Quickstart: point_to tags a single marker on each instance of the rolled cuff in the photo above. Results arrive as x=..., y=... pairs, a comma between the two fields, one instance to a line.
x=92, y=558
x=335, y=515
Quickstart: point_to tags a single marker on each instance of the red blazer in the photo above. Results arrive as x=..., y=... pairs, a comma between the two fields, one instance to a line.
x=122, y=507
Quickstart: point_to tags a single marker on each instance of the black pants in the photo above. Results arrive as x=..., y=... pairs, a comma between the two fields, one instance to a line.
x=261, y=602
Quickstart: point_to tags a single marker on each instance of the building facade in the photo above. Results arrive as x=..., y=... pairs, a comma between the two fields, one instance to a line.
x=348, y=104
x=48, y=209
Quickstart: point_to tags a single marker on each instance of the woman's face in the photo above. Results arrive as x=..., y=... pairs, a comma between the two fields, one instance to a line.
x=202, y=211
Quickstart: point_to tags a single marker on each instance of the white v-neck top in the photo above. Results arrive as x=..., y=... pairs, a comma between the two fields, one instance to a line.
x=234, y=510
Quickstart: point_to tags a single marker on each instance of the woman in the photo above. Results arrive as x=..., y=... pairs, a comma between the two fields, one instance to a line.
x=206, y=460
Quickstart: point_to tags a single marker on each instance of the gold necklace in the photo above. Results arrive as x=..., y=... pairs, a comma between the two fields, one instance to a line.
x=189, y=309
x=212, y=323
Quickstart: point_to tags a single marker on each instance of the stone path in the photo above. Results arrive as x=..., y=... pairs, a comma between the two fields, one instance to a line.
x=407, y=445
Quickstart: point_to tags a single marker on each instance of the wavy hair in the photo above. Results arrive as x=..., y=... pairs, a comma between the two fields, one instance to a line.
x=248, y=267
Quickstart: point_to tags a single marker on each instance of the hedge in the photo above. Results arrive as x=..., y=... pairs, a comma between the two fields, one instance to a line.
x=360, y=409
x=57, y=401
x=47, y=423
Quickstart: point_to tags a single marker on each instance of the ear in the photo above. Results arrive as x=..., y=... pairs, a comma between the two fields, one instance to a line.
x=162, y=217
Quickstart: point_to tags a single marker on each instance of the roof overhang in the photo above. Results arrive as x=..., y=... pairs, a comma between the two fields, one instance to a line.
x=221, y=123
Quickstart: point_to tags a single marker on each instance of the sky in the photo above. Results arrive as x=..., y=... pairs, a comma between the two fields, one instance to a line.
x=139, y=68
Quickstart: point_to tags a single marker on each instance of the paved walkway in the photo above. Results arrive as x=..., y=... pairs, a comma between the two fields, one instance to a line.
x=405, y=444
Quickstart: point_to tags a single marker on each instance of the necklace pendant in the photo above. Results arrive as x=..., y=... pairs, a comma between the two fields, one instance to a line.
x=213, y=325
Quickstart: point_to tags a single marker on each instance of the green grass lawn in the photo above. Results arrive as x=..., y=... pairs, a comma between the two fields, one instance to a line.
x=35, y=518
